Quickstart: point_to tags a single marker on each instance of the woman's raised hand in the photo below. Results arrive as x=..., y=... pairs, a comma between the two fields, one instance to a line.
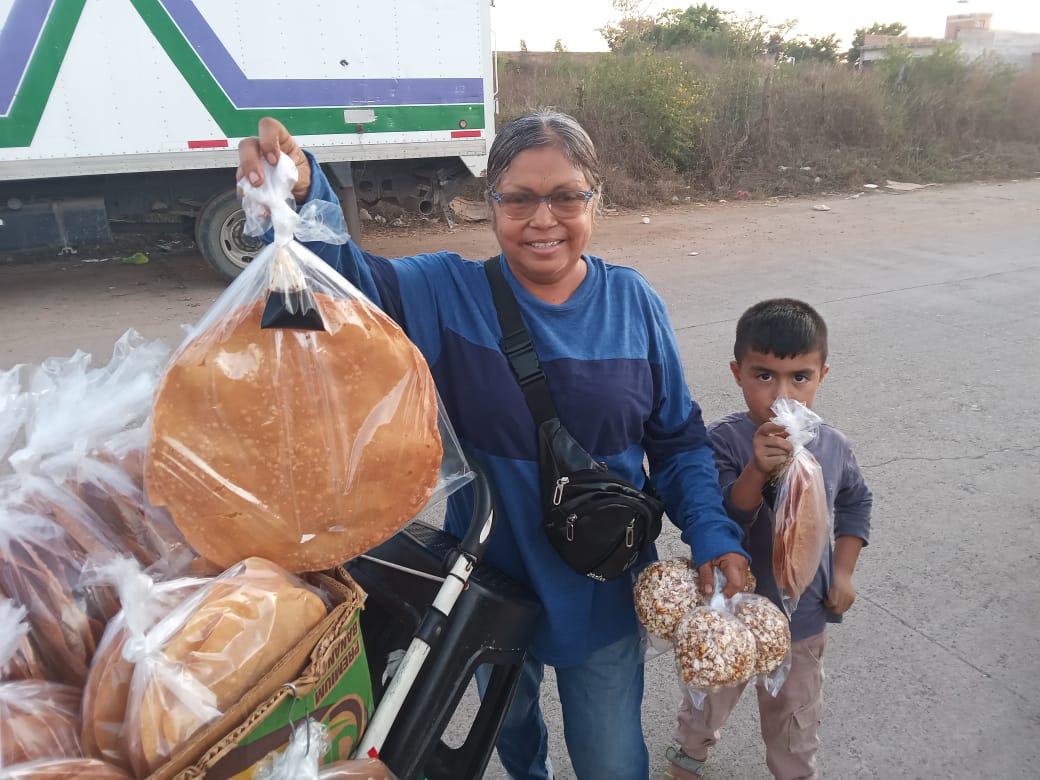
x=273, y=138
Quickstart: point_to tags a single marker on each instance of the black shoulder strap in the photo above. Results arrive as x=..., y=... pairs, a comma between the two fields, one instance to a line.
x=517, y=345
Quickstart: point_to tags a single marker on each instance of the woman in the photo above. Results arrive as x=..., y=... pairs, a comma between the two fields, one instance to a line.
x=609, y=354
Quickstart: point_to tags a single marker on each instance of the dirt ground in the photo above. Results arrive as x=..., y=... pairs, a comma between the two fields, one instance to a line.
x=931, y=298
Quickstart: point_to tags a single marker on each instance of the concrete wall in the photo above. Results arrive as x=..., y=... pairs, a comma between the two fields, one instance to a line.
x=1014, y=48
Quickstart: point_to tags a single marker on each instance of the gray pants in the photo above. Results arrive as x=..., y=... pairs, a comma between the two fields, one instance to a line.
x=790, y=722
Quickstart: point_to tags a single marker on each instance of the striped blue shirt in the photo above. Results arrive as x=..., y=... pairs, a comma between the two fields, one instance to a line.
x=615, y=375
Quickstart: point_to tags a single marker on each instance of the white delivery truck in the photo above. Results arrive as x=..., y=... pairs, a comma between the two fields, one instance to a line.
x=117, y=112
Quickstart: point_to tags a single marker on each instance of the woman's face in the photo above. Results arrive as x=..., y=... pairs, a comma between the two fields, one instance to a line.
x=544, y=248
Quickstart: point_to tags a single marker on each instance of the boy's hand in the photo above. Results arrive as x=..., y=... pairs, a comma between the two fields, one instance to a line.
x=841, y=595
x=734, y=567
x=772, y=449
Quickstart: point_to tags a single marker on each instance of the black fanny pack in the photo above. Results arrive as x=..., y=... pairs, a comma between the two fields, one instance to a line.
x=596, y=521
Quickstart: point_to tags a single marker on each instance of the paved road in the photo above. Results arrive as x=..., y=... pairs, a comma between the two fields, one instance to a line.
x=931, y=298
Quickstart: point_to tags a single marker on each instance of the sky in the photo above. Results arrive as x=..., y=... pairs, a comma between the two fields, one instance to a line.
x=541, y=22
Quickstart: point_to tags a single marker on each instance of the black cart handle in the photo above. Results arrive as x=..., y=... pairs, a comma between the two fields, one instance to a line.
x=482, y=520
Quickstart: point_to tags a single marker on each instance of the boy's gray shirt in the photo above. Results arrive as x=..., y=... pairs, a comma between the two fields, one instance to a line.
x=848, y=498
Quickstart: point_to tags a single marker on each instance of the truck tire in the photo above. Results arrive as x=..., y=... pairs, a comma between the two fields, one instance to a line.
x=219, y=235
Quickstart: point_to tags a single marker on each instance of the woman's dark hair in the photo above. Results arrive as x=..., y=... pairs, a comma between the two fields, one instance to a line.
x=544, y=128
x=782, y=327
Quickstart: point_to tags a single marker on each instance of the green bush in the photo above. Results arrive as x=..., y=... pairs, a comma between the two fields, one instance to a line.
x=642, y=100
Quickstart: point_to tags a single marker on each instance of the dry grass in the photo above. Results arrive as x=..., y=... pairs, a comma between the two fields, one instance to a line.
x=663, y=124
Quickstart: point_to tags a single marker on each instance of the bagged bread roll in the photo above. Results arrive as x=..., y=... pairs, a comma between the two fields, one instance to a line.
x=111, y=484
x=46, y=536
x=802, y=521
x=98, y=456
x=74, y=407
x=212, y=648
x=107, y=689
x=297, y=423
x=19, y=658
x=64, y=769
x=38, y=719
x=13, y=406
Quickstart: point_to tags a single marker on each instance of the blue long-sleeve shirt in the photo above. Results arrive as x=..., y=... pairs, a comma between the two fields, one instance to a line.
x=615, y=376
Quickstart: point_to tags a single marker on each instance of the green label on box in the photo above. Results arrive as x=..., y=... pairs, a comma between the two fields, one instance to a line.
x=341, y=699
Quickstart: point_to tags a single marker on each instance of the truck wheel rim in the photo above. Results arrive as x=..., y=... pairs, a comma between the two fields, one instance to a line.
x=237, y=246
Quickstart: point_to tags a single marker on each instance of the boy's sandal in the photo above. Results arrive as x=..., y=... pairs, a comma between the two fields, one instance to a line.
x=682, y=766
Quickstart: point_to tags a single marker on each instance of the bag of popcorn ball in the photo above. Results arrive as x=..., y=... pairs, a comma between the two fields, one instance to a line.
x=664, y=593
x=713, y=648
x=772, y=632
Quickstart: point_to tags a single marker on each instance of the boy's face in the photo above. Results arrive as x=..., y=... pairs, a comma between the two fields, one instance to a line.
x=764, y=378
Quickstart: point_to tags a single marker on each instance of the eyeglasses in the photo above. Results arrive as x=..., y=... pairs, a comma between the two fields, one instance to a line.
x=565, y=204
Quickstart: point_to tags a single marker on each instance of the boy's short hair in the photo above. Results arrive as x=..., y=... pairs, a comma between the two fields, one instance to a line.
x=783, y=327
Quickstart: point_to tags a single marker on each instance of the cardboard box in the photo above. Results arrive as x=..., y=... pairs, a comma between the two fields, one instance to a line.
x=326, y=677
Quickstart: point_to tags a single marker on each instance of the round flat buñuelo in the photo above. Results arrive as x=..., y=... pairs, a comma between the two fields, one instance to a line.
x=306, y=448
x=801, y=539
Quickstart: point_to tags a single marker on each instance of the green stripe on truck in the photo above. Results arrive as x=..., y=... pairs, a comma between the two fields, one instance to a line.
x=237, y=123
x=19, y=126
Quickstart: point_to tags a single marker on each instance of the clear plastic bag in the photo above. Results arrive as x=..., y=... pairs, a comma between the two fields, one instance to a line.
x=38, y=719
x=87, y=431
x=75, y=407
x=301, y=760
x=713, y=648
x=310, y=439
x=665, y=591
x=46, y=537
x=802, y=521
x=19, y=658
x=208, y=651
x=772, y=633
x=64, y=769
x=13, y=405
x=145, y=601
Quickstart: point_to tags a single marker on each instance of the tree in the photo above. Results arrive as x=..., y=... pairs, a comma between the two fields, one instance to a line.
x=704, y=27
x=811, y=49
x=890, y=28
x=523, y=44
x=628, y=33
x=559, y=47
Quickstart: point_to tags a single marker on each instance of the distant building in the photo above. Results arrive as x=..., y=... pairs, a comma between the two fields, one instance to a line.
x=875, y=47
x=958, y=22
x=973, y=34
x=1014, y=48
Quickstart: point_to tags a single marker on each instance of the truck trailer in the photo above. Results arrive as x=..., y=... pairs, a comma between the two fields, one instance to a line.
x=123, y=115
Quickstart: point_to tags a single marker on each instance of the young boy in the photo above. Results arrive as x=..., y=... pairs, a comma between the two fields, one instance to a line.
x=781, y=351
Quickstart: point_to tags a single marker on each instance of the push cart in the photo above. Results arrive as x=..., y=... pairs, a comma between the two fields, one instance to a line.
x=429, y=594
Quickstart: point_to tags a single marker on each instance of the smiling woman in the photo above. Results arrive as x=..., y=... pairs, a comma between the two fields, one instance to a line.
x=592, y=342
